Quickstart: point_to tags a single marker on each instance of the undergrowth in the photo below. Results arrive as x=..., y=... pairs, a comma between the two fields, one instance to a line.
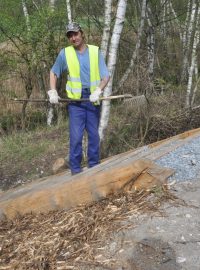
x=27, y=155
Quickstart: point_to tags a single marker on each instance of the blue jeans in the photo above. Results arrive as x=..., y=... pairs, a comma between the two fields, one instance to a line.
x=83, y=116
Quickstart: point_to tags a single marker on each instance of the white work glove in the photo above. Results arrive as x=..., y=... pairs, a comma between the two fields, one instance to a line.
x=53, y=96
x=94, y=97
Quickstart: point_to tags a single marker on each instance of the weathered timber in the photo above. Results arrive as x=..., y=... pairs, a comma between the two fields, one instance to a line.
x=63, y=191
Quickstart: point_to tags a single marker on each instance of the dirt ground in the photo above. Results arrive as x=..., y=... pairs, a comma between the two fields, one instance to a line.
x=165, y=242
x=12, y=176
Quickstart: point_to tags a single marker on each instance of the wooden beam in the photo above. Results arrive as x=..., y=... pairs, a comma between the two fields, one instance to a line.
x=64, y=191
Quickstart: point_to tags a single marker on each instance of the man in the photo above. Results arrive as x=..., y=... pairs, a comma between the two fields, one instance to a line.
x=87, y=77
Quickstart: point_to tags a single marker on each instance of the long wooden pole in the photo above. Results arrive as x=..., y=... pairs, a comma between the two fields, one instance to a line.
x=66, y=100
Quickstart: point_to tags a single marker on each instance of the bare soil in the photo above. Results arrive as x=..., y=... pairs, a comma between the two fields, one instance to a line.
x=12, y=176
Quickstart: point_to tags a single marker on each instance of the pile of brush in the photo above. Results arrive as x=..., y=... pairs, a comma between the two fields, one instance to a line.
x=73, y=239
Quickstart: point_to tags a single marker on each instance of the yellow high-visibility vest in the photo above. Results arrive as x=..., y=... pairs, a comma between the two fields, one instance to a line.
x=74, y=85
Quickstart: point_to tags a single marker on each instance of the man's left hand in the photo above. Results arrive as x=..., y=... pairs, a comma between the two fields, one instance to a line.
x=94, y=97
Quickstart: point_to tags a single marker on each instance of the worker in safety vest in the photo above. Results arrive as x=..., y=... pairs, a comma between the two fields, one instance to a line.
x=87, y=77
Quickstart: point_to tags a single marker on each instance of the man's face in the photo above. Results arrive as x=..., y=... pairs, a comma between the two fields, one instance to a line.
x=76, y=39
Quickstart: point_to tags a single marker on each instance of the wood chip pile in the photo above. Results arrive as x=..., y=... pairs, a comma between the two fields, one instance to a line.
x=70, y=239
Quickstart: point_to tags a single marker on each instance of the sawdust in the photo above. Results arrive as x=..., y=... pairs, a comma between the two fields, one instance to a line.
x=72, y=239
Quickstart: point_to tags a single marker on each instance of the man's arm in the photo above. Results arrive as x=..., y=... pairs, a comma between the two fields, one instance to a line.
x=53, y=80
x=103, y=83
x=104, y=74
x=57, y=69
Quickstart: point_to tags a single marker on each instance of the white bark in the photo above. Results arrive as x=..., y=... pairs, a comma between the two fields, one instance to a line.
x=69, y=11
x=26, y=15
x=187, y=40
x=150, y=45
x=151, y=51
x=189, y=6
x=52, y=4
x=50, y=115
x=196, y=86
x=51, y=110
x=112, y=59
x=193, y=67
x=137, y=47
x=163, y=25
x=191, y=72
x=106, y=29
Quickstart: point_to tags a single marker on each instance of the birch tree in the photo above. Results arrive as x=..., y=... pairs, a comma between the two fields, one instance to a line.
x=26, y=15
x=189, y=28
x=190, y=93
x=69, y=11
x=193, y=70
x=50, y=113
x=112, y=59
x=28, y=76
x=189, y=36
x=150, y=44
x=137, y=46
x=163, y=25
x=107, y=26
x=52, y=5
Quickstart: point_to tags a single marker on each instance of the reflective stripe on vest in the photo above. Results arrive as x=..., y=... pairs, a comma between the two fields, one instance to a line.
x=74, y=86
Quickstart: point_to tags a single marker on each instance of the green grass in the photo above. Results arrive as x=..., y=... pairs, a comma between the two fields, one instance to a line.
x=26, y=146
x=22, y=147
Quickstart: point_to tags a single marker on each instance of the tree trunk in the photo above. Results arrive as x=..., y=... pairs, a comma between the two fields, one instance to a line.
x=28, y=79
x=112, y=59
x=106, y=29
x=26, y=15
x=150, y=46
x=69, y=11
x=189, y=30
x=52, y=5
x=193, y=66
x=51, y=110
x=164, y=13
x=196, y=85
x=137, y=47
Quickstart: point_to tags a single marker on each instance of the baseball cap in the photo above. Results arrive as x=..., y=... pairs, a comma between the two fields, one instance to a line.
x=73, y=27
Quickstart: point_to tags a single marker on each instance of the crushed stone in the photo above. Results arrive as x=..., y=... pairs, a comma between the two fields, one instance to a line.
x=185, y=160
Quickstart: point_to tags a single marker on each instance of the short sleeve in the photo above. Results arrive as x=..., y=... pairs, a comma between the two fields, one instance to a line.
x=60, y=64
x=102, y=67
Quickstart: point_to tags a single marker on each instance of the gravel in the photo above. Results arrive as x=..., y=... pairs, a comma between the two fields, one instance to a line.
x=185, y=160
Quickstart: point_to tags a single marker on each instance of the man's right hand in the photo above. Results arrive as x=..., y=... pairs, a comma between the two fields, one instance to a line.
x=94, y=97
x=53, y=96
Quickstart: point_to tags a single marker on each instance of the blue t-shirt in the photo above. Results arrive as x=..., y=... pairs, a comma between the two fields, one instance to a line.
x=60, y=66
